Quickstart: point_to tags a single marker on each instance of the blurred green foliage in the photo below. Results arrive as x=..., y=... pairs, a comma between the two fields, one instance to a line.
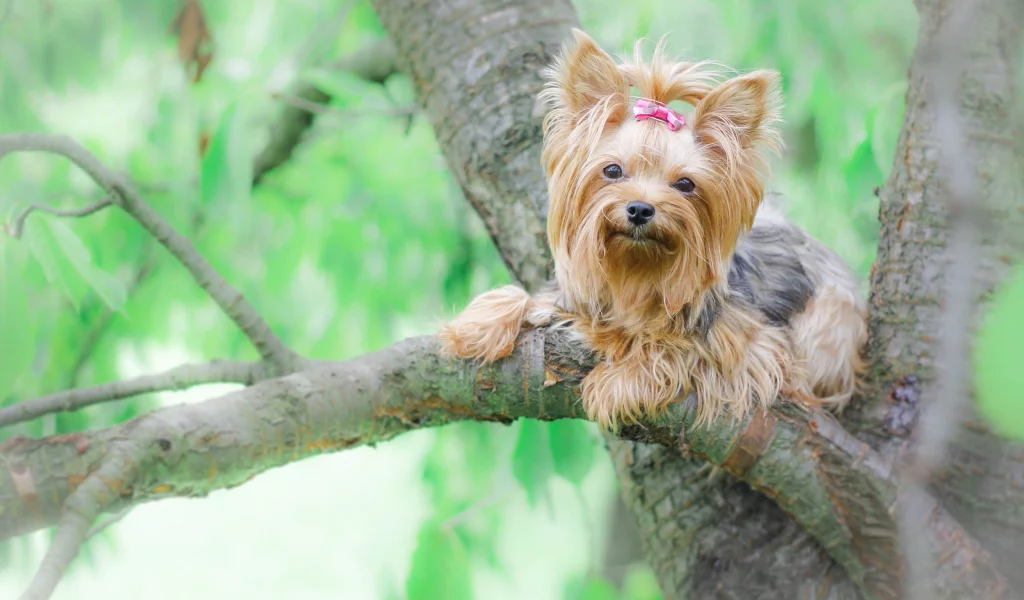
x=361, y=238
x=999, y=378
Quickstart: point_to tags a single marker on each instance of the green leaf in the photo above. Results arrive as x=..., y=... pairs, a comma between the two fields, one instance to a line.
x=41, y=242
x=572, y=449
x=17, y=327
x=226, y=170
x=440, y=566
x=589, y=588
x=999, y=377
x=106, y=286
x=641, y=584
x=531, y=459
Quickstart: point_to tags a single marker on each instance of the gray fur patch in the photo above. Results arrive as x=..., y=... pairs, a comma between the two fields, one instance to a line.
x=767, y=273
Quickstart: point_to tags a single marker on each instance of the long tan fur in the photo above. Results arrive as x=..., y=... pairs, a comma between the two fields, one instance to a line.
x=685, y=303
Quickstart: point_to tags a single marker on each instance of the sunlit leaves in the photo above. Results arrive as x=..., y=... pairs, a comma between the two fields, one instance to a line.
x=53, y=241
x=999, y=377
x=226, y=171
x=440, y=566
x=45, y=250
x=17, y=326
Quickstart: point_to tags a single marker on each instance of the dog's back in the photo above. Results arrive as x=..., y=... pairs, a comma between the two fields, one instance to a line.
x=800, y=284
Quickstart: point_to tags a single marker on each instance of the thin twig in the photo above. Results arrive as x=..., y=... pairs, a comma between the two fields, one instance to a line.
x=178, y=378
x=16, y=226
x=322, y=109
x=81, y=509
x=234, y=305
x=108, y=522
x=374, y=63
x=965, y=209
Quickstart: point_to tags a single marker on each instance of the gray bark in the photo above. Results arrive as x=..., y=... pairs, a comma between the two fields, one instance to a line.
x=981, y=484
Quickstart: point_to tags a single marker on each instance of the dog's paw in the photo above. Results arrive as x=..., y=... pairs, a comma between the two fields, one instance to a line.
x=487, y=330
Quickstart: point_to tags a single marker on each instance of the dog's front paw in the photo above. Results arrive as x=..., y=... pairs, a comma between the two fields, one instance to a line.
x=623, y=394
x=489, y=326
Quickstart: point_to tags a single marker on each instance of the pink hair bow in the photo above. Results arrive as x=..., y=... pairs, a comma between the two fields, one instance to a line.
x=648, y=109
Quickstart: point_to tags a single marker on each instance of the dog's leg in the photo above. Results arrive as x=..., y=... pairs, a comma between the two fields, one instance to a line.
x=639, y=384
x=827, y=337
x=487, y=329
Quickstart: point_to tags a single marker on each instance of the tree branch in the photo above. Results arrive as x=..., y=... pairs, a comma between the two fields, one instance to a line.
x=830, y=483
x=81, y=509
x=965, y=206
x=924, y=306
x=16, y=226
x=234, y=305
x=178, y=378
x=374, y=63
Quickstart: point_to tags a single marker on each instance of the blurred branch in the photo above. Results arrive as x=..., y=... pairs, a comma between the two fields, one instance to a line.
x=832, y=484
x=234, y=305
x=98, y=491
x=15, y=227
x=178, y=378
x=106, y=523
x=965, y=204
x=374, y=63
x=322, y=109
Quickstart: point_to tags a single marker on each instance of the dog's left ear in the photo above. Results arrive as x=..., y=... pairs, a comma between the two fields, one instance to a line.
x=739, y=113
x=585, y=74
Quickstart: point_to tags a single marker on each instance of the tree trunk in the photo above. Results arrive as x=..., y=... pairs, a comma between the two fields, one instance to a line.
x=707, y=537
x=981, y=485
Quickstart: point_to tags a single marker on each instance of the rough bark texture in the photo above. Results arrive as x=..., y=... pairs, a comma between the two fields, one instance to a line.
x=714, y=537
x=981, y=485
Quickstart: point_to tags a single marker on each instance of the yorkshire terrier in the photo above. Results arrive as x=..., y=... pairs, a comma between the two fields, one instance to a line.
x=669, y=261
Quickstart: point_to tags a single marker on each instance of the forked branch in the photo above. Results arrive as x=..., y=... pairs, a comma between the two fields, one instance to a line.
x=230, y=300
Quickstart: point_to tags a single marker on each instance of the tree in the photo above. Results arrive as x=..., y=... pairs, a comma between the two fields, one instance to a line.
x=829, y=491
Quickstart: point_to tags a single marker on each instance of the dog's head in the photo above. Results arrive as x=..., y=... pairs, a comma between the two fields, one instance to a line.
x=646, y=203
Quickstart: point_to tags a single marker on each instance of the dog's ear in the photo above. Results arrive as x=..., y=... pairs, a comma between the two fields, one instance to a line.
x=739, y=113
x=585, y=75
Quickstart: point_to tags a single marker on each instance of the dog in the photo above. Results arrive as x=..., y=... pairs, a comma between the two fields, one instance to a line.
x=670, y=261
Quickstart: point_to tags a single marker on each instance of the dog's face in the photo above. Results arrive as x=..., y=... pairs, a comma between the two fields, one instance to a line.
x=645, y=213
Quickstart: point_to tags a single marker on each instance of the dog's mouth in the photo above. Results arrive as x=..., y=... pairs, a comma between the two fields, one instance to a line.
x=638, y=236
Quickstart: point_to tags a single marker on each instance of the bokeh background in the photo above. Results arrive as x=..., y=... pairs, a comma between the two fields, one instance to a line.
x=360, y=240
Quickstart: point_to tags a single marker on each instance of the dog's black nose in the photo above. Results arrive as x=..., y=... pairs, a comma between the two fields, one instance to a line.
x=639, y=213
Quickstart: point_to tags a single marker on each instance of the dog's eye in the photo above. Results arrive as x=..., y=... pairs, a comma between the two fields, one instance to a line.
x=684, y=185
x=613, y=172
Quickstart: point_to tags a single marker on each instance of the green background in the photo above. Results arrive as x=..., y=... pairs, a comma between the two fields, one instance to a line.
x=360, y=240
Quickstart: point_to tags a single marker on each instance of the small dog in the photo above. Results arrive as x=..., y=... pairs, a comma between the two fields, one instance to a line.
x=669, y=263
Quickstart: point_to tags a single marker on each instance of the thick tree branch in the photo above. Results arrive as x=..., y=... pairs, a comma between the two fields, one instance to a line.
x=830, y=483
x=965, y=205
x=374, y=63
x=234, y=305
x=178, y=378
x=81, y=508
x=916, y=292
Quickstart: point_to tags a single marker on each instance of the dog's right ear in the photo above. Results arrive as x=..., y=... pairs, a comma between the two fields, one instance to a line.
x=585, y=75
